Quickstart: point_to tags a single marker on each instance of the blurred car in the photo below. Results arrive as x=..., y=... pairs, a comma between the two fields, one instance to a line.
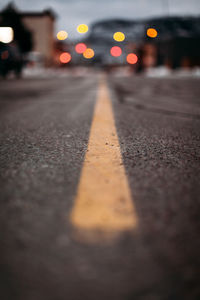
x=11, y=59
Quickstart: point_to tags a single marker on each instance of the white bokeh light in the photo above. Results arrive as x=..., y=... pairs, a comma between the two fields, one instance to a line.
x=6, y=34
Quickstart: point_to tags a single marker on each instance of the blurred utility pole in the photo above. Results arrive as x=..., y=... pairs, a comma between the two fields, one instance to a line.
x=166, y=7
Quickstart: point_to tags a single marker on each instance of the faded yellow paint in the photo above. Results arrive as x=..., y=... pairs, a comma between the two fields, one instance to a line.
x=103, y=206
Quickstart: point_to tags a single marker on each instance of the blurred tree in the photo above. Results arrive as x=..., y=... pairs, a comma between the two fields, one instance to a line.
x=22, y=36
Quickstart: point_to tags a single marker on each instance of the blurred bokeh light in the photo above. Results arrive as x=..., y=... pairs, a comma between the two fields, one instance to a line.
x=82, y=28
x=89, y=53
x=132, y=58
x=119, y=36
x=6, y=35
x=65, y=57
x=152, y=32
x=80, y=48
x=116, y=51
x=62, y=35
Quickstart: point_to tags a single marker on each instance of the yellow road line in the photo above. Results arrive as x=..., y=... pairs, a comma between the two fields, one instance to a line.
x=103, y=206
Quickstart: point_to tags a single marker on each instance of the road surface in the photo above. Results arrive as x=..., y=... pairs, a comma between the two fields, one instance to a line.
x=65, y=233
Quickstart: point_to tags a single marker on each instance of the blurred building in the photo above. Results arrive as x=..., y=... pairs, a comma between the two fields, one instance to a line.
x=41, y=24
x=41, y=27
x=177, y=44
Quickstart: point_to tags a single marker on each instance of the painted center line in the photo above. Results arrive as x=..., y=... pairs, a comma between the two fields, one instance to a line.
x=103, y=206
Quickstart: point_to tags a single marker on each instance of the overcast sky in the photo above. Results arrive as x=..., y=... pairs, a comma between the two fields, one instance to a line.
x=73, y=12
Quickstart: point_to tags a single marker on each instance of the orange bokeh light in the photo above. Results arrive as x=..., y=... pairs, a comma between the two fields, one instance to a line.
x=116, y=51
x=151, y=32
x=80, y=48
x=65, y=58
x=132, y=58
x=88, y=53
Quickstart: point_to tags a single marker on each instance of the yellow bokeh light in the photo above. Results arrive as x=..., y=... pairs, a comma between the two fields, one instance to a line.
x=62, y=35
x=151, y=32
x=82, y=28
x=119, y=36
x=89, y=53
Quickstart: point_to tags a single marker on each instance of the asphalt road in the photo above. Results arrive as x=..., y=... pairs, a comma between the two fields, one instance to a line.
x=44, y=132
